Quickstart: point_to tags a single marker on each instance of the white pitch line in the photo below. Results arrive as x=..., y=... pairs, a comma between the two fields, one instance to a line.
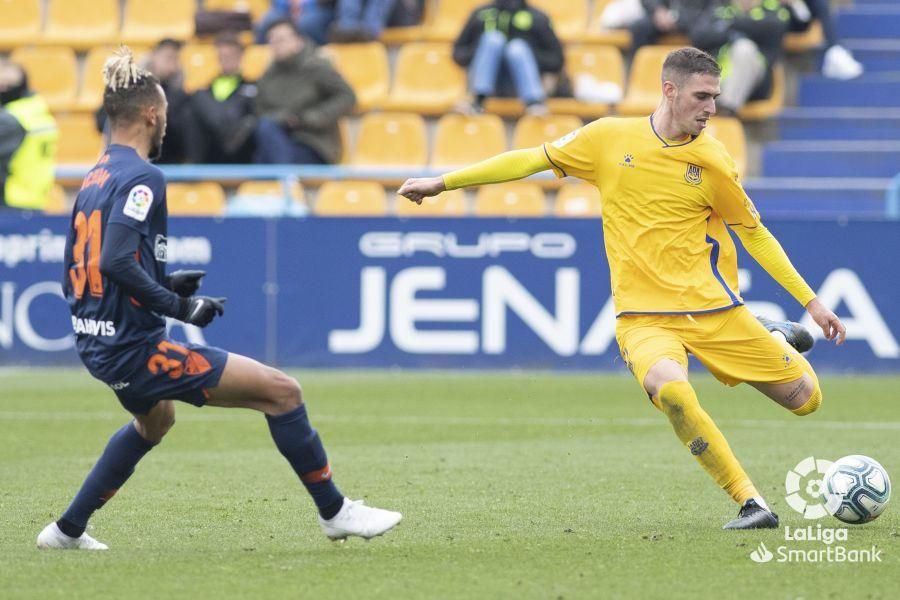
x=57, y=416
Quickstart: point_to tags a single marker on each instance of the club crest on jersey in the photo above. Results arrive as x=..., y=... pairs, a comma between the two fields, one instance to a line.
x=161, y=249
x=137, y=206
x=627, y=161
x=693, y=174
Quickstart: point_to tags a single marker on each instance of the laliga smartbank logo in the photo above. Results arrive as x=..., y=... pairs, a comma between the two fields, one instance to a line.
x=805, y=493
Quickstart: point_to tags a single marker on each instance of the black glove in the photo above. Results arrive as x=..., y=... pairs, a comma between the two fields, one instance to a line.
x=185, y=283
x=201, y=310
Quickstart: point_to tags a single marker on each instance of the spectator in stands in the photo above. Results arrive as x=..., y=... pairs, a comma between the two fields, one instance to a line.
x=838, y=62
x=510, y=49
x=747, y=37
x=221, y=119
x=300, y=100
x=27, y=142
x=164, y=61
x=361, y=20
x=311, y=17
x=666, y=17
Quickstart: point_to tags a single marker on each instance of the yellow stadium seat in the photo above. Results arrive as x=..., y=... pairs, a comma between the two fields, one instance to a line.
x=644, y=87
x=427, y=80
x=90, y=96
x=461, y=140
x=578, y=200
x=760, y=110
x=449, y=19
x=51, y=72
x=568, y=17
x=79, y=140
x=195, y=199
x=603, y=63
x=351, y=199
x=513, y=199
x=148, y=21
x=620, y=38
x=256, y=8
x=200, y=64
x=451, y=203
x=20, y=24
x=273, y=189
x=57, y=202
x=391, y=139
x=533, y=131
x=365, y=67
x=255, y=61
x=82, y=24
x=730, y=132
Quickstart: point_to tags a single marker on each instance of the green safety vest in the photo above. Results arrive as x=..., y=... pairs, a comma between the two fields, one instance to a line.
x=31, y=168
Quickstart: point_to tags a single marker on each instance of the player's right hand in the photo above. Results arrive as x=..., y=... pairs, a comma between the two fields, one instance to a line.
x=185, y=282
x=201, y=310
x=829, y=322
x=422, y=187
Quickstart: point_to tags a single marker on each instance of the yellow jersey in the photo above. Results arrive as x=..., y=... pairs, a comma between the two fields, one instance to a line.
x=665, y=209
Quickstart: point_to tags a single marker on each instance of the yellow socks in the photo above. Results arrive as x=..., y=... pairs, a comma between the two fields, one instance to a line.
x=700, y=435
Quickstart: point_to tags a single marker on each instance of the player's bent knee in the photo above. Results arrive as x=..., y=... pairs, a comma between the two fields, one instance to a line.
x=286, y=393
x=813, y=402
x=674, y=397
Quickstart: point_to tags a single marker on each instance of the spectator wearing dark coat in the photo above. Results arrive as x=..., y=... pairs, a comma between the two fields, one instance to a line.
x=510, y=49
x=666, y=17
x=221, y=118
x=746, y=36
x=300, y=99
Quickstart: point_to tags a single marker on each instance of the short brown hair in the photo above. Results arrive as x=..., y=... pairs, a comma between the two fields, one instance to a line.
x=684, y=62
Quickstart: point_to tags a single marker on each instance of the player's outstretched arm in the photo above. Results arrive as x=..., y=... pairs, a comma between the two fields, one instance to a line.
x=765, y=249
x=118, y=265
x=508, y=166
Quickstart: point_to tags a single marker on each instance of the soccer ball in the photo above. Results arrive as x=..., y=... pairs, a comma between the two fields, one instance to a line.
x=857, y=489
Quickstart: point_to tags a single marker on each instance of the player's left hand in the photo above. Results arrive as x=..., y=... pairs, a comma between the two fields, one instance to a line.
x=185, y=282
x=422, y=187
x=829, y=322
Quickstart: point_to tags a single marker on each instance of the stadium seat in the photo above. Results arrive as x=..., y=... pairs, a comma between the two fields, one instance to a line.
x=79, y=140
x=533, y=131
x=513, y=199
x=256, y=8
x=451, y=203
x=147, y=21
x=350, y=199
x=274, y=189
x=460, y=140
x=200, y=64
x=449, y=18
x=195, y=199
x=426, y=80
x=730, y=132
x=21, y=23
x=51, y=72
x=391, y=139
x=760, y=110
x=569, y=17
x=578, y=200
x=57, y=202
x=255, y=61
x=365, y=67
x=81, y=24
x=602, y=62
x=643, y=93
x=620, y=38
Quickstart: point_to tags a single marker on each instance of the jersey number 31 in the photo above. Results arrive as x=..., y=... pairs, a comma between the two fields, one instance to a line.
x=88, y=234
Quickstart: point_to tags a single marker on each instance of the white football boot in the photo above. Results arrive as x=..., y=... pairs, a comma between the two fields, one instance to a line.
x=839, y=63
x=52, y=537
x=355, y=518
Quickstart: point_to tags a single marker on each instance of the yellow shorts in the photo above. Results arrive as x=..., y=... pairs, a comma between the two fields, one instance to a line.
x=732, y=344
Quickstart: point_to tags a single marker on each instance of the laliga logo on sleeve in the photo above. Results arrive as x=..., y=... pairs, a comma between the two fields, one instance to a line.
x=805, y=488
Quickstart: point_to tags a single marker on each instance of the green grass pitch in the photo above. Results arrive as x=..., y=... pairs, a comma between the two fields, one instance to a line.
x=515, y=485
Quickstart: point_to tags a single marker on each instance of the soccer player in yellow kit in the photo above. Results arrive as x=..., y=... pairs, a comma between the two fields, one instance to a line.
x=670, y=192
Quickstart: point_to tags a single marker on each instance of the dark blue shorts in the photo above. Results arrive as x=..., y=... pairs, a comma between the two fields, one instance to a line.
x=170, y=370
